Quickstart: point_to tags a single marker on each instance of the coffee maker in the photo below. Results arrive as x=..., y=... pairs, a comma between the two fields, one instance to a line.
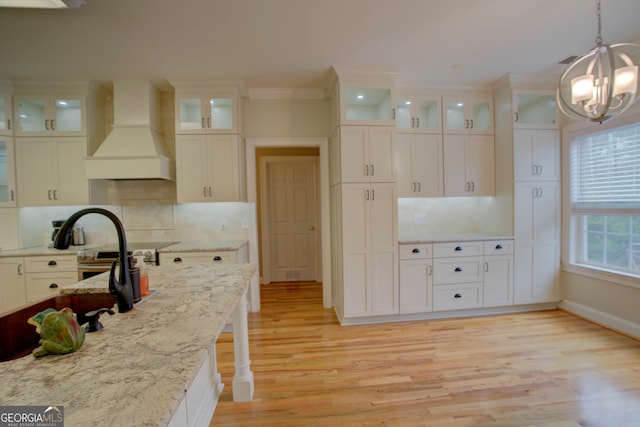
x=57, y=223
x=78, y=232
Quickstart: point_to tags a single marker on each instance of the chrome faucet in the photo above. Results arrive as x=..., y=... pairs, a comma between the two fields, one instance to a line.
x=121, y=289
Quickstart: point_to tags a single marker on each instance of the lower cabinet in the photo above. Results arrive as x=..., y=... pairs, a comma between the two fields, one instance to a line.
x=416, y=278
x=12, y=291
x=45, y=275
x=455, y=275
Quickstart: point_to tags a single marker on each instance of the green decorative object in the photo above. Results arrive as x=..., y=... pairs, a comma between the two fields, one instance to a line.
x=59, y=332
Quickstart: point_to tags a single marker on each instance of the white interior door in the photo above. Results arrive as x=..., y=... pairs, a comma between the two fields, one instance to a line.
x=292, y=223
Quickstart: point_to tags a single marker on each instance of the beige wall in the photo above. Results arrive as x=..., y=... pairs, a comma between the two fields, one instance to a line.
x=286, y=118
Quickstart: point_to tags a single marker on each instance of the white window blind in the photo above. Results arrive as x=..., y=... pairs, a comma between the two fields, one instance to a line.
x=605, y=170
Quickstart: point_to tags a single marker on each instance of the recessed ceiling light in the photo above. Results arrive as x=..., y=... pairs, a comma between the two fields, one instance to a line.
x=360, y=96
x=408, y=102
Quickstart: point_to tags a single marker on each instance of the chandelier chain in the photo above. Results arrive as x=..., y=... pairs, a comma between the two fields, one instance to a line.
x=599, y=37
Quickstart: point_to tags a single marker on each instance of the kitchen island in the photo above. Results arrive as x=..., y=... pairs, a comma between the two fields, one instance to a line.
x=154, y=365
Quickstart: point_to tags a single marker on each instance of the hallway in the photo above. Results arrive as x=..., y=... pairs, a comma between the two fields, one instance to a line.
x=544, y=368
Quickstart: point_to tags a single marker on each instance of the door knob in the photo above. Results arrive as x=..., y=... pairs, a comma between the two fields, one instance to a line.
x=312, y=228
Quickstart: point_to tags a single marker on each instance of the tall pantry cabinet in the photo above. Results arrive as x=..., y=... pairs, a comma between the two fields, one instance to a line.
x=364, y=198
x=529, y=128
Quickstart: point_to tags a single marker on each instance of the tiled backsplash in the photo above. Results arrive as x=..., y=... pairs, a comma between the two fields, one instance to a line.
x=148, y=212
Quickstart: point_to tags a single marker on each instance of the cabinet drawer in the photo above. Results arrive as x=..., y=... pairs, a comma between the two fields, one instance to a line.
x=419, y=251
x=452, y=297
x=498, y=247
x=51, y=263
x=191, y=258
x=443, y=250
x=457, y=270
x=43, y=285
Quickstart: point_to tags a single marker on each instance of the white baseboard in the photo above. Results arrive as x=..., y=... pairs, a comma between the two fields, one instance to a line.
x=602, y=318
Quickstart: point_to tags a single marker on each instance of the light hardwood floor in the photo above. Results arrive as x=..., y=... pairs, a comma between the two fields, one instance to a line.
x=533, y=369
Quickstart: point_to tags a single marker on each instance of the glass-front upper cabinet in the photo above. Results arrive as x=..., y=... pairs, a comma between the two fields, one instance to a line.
x=6, y=125
x=366, y=105
x=535, y=110
x=7, y=173
x=205, y=114
x=468, y=115
x=49, y=115
x=418, y=114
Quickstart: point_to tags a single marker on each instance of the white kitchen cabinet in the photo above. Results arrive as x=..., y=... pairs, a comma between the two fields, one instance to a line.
x=418, y=114
x=469, y=165
x=12, y=287
x=61, y=114
x=498, y=273
x=419, y=165
x=6, y=115
x=203, y=257
x=535, y=109
x=367, y=154
x=416, y=285
x=457, y=275
x=536, y=155
x=45, y=275
x=9, y=228
x=537, y=241
x=7, y=173
x=467, y=115
x=51, y=171
x=362, y=104
x=206, y=113
x=210, y=168
x=369, y=250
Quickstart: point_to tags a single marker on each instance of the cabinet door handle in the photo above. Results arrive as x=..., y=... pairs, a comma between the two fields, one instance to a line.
x=366, y=194
x=471, y=121
x=177, y=259
x=46, y=124
x=53, y=286
x=202, y=123
x=13, y=198
x=414, y=186
x=8, y=124
x=415, y=251
x=466, y=123
x=458, y=248
x=419, y=187
x=417, y=122
x=458, y=295
x=429, y=270
x=366, y=170
x=217, y=258
x=373, y=171
x=541, y=170
x=19, y=269
x=473, y=186
x=53, y=126
x=515, y=117
x=52, y=263
x=486, y=267
x=498, y=247
x=413, y=122
x=393, y=113
x=458, y=269
x=210, y=192
x=204, y=191
x=49, y=195
x=55, y=194
x=373, y=194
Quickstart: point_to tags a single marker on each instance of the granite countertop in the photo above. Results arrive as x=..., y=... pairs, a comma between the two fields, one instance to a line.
x=448, y=237
x=42, y=251
x=136, y=370
x=215, y=245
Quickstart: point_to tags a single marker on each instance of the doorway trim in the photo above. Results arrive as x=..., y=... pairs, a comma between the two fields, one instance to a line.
x=323, y=145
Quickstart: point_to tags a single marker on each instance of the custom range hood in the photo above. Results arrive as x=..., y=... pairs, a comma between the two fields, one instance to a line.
x=134, y=148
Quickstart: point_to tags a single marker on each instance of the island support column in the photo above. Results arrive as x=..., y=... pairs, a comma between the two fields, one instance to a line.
x=243, y=378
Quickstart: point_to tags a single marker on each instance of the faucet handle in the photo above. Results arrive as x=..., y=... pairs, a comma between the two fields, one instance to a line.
x=93, y=317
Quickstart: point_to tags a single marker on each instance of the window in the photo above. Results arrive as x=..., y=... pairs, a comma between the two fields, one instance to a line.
x=605, y=199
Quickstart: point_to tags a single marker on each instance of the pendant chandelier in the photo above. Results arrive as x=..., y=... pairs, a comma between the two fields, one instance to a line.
x=601, y=83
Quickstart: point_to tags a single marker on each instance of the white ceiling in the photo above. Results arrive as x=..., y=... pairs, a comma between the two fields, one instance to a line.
x=293, y=43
